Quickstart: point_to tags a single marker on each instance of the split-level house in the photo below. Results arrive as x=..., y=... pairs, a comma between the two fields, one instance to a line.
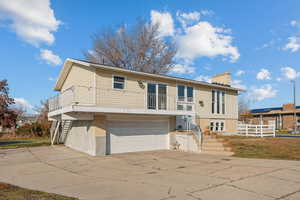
x=102, y=109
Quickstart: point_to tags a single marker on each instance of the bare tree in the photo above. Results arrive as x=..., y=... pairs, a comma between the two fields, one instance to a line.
x=42, y=111
x=138, y=48
x=244, y=109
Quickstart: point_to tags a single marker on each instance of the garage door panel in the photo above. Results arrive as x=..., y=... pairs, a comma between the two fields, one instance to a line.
x=144, y=135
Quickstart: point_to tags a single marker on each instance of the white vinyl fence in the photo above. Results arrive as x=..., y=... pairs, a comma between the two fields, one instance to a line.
x=256, y=130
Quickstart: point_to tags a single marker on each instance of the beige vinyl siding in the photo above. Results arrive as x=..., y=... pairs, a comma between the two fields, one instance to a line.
x=231, y=125
x=79, y=76
x=205, y=94
x=133, y=96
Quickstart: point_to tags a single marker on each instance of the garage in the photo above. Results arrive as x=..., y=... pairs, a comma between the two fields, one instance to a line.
x=132, y=134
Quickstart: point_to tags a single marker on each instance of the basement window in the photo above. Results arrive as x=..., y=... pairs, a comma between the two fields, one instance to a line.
x=217, y=126
x=118, y=82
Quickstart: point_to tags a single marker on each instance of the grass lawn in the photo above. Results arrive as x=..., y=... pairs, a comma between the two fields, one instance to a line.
x=11, y=192
x=270, y=148
x=18, y=143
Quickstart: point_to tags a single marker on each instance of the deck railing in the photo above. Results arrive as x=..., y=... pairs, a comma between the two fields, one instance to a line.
x=256, y=130
x=90, y=96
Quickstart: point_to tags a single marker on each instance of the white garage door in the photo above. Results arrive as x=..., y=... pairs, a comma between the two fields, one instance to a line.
x=139, y=134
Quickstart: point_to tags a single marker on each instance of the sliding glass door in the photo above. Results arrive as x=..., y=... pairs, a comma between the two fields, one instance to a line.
x=157, y=96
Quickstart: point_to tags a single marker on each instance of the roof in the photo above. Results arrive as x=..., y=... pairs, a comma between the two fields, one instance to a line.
x=265, y=110
x=68, y=64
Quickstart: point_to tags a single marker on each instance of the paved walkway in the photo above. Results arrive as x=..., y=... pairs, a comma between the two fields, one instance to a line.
x=150, y=175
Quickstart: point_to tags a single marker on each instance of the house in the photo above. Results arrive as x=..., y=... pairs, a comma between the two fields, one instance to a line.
x=26, y=119
x=102, y=109
x=282, y=117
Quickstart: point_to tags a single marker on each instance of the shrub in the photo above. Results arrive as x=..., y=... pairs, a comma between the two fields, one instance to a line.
x=35, y=129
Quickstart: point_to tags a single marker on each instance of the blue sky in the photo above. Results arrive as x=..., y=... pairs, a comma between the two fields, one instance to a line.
x=257, y=41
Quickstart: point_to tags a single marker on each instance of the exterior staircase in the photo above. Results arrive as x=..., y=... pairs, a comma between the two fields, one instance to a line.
x=59, y=131
x=212, y=145
x=65, y=128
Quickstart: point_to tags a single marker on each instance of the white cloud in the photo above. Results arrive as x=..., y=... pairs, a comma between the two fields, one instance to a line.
x=165, y=21
x=50, y=57
x=278, y=79
x=238, y=84
x=182, y=69
x=23, y=104
x=188, y=18
x=263, y=74
x=203, y=78
x=32, y=20
x=295, y=23
x=264, y=92
x=293, y=44
x=195, y=38
x=240, y=73
x=52, y=78
x=290, y=73
x=203, y=39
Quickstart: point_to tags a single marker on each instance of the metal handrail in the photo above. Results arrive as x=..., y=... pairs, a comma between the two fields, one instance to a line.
x=196, y=130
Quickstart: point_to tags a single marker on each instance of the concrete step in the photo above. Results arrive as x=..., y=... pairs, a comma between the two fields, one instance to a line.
x=212, y=138
x=220, y=153
x=205, y=148
x=216, y=148
x=212, y=144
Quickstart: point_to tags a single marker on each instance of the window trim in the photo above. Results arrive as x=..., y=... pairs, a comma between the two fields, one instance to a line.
x=113, y=81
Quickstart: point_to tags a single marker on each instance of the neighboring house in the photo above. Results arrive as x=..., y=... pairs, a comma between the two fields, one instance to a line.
x=26, y=119
x=104, y=109
x=281, y=117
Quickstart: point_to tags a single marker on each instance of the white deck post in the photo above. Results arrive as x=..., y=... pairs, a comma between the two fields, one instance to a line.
x=274, y=131
x=261, y=130
x=246, y=129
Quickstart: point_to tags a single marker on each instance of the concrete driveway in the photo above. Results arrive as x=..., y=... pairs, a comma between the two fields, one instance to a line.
x=149, y=175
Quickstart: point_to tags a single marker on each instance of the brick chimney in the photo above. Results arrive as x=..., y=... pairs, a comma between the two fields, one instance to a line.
x=222, y=79
x=289, y=106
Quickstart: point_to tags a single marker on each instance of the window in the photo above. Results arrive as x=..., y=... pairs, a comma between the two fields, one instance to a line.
x=185, y=97
x=180, y=107
x=162, y=97
x=213, y=102
x=151, y=96
x=218, y=102
x=181, y=92
x=217, y=126
x=222, y=126
x=189, y=108
x=211, y=126
x=119, y=82
x=190, y=94
x=223, y=102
